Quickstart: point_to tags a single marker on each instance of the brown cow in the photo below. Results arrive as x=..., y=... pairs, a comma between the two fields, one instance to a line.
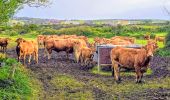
x=58, y=45
x=132, y=58
x=82, y=52
x=78, y=43
x=4, y=44
x=40, y=39
x=86, y=55
x=98, y=40
x=25, y=48
x=147, y=37
x=132, y=39
x=160, y=39
x=120, y=42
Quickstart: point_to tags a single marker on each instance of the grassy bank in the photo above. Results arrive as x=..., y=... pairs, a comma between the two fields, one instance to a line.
x=23, y=86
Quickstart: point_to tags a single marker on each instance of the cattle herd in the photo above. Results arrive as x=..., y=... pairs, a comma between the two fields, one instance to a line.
x=83, y=51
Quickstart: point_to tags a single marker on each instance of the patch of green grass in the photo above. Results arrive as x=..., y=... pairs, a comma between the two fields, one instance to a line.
x=163, y=52
x=25, y=86
x=12, y=42
x=91, y=40
x=128, y=87
x=95, y=71
x=70, y=88
x=109, y=73
x=161, y=34
x=144, y=42
x=67, y=82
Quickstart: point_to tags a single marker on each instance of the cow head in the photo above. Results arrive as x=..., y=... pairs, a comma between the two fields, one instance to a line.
x=76, y=43
x=19, y=40
x=151, y=47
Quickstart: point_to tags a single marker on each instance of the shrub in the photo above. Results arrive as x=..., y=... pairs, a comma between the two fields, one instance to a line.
x=22, y=87
x=163, y=52
x=167, y=40
x=13, y=33
x=2, y=57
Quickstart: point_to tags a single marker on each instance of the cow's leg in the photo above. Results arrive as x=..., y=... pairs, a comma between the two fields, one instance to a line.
x=24, y=56
x=112, y=71
x=78, y=57
x=85, y=62
x=138, y=75
x=19, y=57
x=82, y=60
x=29, y=59
x=67, y=54
x=117, y=73
x=34, y=56
x=45, y=52
x=37, y=56
x=49, y=53
x=5, y=49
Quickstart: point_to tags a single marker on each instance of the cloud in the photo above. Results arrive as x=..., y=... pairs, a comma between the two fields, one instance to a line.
x=96, y=9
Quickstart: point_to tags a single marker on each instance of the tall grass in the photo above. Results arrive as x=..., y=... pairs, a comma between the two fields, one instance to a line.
x=22, y=87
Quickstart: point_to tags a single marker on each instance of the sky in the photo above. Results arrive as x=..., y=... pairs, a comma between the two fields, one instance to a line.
x=99, y=9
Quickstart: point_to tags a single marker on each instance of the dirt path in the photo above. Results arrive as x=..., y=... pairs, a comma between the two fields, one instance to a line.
x=58, y=64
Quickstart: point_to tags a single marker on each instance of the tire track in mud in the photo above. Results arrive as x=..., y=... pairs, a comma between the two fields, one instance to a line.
x=58, y=64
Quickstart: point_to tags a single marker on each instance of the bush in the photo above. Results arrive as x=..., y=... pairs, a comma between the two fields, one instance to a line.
x=2, y=57
x=167, y=40
x=22, y=87
x=13, y=33
x=163, y=52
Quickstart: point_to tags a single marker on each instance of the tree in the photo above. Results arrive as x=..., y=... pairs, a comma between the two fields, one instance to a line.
x=9, y=7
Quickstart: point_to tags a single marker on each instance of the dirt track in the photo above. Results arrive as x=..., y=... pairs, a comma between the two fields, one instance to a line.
x=46, y=70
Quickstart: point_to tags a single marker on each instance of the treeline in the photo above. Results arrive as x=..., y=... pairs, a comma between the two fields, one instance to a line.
x=87, y=30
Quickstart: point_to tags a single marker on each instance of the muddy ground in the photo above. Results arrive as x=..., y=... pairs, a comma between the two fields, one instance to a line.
x=47, y=69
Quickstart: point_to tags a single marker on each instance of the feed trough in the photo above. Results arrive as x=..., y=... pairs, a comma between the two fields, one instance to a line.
x=103, y=53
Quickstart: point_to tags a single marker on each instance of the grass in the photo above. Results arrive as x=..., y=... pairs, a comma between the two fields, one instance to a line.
x=24, y=87
x=109, y=73
x=12, y=42
x=144, y=42
x=128, y=87
x=70, y=88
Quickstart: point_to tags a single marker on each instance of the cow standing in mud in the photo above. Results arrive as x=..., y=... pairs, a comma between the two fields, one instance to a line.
x=25, y=48
x=4, y=44
x=83, y=53
x=58, y=45
x=137, y=59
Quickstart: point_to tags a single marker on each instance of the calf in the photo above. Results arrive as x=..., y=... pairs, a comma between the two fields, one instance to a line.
x=25, y=48
x=160, y=39
x=132, y=58
x=4, y=44
x=86, y=55
x=83, y=53
x=147, y=37
x=78, y=44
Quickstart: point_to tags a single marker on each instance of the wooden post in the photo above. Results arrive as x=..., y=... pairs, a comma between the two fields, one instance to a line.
x=12, y=72
x=98, y=58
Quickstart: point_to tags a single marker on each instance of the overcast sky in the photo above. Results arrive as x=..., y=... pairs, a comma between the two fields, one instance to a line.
x=99, y=9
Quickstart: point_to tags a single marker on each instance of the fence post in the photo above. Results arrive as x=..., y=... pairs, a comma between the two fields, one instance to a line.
x=12, y=71
x=98, y=58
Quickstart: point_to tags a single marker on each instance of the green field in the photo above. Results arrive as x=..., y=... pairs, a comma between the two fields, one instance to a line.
x=36, y=84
